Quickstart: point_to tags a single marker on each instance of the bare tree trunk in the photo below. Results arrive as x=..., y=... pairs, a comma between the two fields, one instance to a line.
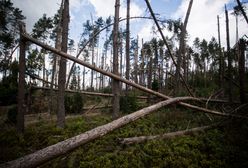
x=242, y=71
x=21, y=82
x=229, y=58
x=136, y=63
x=149, y=79
x=142, y=72
x=170, y=135
x=182, y=49
x=220, y=55
x=62, y=68
x=128, y=44
x=116, y=83
x=57, y=46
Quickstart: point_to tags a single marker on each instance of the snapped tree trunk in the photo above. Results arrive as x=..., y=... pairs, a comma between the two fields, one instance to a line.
x=116, y=83
x=62, y=68
x=242, y=71
x=21, y=83
x=220, y=55
x=128, y=43
x=182, y=49
x=229, y=71
x=55, y=60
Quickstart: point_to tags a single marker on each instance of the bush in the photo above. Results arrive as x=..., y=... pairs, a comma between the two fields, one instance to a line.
x=74, y=103
x=128, y=104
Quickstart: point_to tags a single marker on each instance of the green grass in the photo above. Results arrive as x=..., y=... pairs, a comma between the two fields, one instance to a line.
x=214, y=148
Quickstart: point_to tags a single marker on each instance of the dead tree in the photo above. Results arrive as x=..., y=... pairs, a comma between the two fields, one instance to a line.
x=229, y=71
x=62, y=67
x=116, y=83
x=241, y=52
x=170, y=135
x=182, y=48
x=128, y=43
x=21, y=82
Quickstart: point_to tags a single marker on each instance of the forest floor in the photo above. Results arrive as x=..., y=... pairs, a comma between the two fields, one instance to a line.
x=225, y=146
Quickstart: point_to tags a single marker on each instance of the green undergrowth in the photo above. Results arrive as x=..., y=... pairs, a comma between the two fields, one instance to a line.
x=220, y=147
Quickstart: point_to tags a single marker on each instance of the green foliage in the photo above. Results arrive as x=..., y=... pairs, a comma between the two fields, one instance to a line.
x=9, y=85
x=128, y=103
x=73, y=103
x=214, y=148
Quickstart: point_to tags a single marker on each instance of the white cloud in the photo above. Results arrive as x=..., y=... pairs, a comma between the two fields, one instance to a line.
x=203, y=20
x=34, y=9
x=106, y=8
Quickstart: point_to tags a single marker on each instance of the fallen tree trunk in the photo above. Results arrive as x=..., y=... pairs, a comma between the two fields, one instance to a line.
x=164, y=136
x=74, y=91
x=50, y=152
x=212, y=111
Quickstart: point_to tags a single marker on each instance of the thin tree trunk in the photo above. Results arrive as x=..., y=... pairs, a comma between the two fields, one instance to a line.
x=136, y=62
x=21, y=83
x=220, y=55
x=242, y=71
x=116, y=83
x=229, y=58
x=62, y=68
x=128, y=44
x=182, y=48
x=57, y=46
x=142, y=73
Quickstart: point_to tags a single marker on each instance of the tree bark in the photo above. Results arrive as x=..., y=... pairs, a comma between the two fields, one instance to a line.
x=220, y=55
x=37, y=158
x=62, y=68
x=116, y=83
x=229, y=71
x=55, y=60
x=21, y=82
x=170, y=135
x=182, y=48
x=128, y=43
x=242, y=71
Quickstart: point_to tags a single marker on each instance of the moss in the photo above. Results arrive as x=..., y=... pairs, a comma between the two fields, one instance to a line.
x=214, y=148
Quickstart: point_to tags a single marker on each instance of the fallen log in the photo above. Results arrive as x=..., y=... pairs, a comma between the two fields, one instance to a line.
x=61, y=148
x=74, y=91
x=170, y=135
x=213, y=111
